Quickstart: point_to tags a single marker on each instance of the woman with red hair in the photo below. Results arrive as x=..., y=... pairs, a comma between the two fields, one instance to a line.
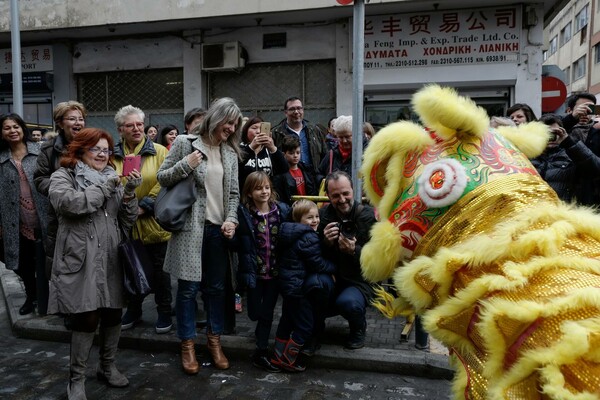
x=87, y=278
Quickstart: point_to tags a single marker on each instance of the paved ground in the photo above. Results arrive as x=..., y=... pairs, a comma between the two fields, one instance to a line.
x=384, y=350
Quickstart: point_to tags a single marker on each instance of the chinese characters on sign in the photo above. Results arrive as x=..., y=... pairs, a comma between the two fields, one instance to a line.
x=33, y=59
x=461, y=37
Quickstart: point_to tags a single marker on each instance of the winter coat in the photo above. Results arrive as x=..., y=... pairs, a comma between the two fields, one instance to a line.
x=564, y=166
x=47, y=162
x=245, y=245
x=316, y=141
x=271, y=163
x=153, y=155
x=588, y=188
x=10, y=187
x=338, y=163
x=348, y=266
x=300, y=259
x=87, y=272
x=285, y=184
x=184, y=252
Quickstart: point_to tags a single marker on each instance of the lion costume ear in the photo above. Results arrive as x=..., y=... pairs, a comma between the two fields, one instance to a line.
x=531, y=138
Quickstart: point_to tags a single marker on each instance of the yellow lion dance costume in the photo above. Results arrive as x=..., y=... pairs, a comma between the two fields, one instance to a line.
x=503, y=273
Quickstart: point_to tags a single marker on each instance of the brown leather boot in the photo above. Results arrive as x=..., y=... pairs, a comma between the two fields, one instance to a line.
x=214, y=348
x=188, y=357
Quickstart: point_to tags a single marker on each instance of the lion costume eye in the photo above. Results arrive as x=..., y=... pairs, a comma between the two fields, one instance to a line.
x=442, y=183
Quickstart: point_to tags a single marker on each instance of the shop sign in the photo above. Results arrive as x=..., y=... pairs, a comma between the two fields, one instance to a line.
x=33, y=59
x=456, y=37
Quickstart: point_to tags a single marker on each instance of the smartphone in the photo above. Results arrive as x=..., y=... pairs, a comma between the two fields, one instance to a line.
x=595, y=109
x=265, y=127
x=130, y=163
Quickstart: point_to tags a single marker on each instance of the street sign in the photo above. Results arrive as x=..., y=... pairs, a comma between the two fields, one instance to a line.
x=554, y=93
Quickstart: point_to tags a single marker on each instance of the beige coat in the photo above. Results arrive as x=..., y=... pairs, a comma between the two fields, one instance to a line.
x=184, y=251
x=87, y=273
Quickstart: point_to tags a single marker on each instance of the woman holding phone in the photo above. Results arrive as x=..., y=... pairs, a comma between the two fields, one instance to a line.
x=259, y=152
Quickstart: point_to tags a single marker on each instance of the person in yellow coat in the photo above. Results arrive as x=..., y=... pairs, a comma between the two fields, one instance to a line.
x=130, y=124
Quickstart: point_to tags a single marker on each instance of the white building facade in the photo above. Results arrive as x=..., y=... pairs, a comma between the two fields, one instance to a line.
x=150, y=54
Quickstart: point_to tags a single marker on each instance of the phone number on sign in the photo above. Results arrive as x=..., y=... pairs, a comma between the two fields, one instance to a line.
x=455, y=60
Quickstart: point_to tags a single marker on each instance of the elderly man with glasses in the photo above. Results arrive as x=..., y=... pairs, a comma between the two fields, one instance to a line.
x=312, y=141
x=130, y=124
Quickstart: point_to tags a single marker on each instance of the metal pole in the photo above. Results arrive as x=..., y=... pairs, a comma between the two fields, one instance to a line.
x=17, y=79
x=358, y=52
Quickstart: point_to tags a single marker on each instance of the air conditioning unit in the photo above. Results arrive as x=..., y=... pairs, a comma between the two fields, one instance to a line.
x=223, y=56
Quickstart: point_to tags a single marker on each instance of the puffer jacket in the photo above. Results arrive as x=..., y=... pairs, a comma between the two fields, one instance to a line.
x=245, y=245
x=300, y=259
x=153, y=154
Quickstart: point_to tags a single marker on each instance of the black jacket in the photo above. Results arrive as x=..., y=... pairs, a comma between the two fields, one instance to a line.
x=316, y=141
x=299, y=257
x=285, y=184
x=348, y=266
x=588, y=188
x=244, y=243
x=271, y=163
x=566, y=166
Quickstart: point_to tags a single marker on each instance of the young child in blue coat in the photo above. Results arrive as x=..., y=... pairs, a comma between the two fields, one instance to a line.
x=300, y=263
x=259, y=216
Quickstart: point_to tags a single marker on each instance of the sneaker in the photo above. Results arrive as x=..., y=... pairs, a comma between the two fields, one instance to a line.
x=163, y=324
x=130, y=319
x=238, y=303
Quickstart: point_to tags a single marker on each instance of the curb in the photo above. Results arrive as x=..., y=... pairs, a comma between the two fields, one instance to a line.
x=50, y=328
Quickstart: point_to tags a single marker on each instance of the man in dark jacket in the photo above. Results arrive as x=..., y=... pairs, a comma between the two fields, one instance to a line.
x=566, y=161
x=312, y=142
x=344, y=229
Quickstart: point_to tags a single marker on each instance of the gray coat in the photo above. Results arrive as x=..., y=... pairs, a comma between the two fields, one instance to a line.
x=9, y=201
x=86, y=272
x=184, y=251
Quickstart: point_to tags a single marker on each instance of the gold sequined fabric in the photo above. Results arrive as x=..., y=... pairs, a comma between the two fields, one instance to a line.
x=515, y=292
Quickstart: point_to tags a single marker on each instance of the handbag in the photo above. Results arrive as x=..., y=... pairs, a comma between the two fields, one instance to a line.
x=171, y=204
x=137, y=266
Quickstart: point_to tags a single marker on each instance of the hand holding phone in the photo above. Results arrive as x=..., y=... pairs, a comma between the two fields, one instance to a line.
x=131, y=163
x=265, y=127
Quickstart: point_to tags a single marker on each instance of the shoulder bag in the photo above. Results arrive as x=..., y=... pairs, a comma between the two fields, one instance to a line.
x=137, y=266
x=171, y=204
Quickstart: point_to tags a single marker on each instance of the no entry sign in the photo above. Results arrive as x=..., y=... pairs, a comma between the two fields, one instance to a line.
x=554, y=93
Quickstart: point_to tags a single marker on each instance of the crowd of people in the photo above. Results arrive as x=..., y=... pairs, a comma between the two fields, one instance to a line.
x=67, y=206
x=69, y=202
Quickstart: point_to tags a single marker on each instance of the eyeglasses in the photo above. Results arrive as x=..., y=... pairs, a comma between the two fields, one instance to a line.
x=294, y=109
x=74, y=119
x=97, y=150
x=139, y=125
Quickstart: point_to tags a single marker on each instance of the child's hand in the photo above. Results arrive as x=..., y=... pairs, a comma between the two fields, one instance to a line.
x=228, y=229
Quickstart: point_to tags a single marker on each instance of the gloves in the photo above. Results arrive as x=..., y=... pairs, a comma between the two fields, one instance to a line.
x=112, y=183
x=133, y=181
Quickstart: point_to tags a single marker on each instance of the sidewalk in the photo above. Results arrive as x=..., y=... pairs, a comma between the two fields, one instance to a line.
x=383, y=351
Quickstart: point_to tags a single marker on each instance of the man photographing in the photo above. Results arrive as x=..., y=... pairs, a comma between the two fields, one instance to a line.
x=344, y=229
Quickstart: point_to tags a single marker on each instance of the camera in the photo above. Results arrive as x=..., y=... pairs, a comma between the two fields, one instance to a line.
x=348, y=228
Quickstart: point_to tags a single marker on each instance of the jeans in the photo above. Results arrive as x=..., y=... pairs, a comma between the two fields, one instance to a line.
x=261, y=305
x=161, y=285
x=296, y=320
x=215, y=261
